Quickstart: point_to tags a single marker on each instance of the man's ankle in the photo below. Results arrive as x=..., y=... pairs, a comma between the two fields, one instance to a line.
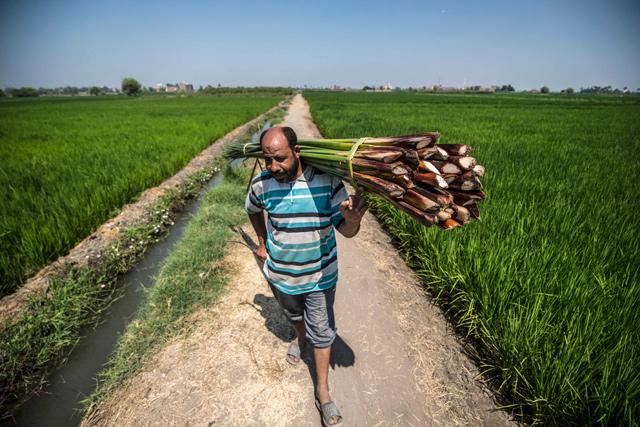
x=322, y=391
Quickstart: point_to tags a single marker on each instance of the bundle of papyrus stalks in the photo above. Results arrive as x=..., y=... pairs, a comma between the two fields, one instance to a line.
x=434, y=183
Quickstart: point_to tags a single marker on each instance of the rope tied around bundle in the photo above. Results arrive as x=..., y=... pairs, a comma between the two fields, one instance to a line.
x=352, y=152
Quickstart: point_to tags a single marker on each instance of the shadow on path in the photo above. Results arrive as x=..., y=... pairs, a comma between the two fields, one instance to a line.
x=342, y=354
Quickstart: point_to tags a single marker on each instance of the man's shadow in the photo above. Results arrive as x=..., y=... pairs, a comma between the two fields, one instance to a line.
x=276, y=322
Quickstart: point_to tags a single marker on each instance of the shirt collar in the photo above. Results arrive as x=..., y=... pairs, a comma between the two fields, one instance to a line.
x=307, y=173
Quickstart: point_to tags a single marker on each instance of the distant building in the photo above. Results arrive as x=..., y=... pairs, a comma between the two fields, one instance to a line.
x=479, y=88
x=473, y=88
x=440, y=88
x=185, y=87
x=174, y=88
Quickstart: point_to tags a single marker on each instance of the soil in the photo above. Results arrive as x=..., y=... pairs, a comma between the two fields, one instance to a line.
x=95, y=246
x=396, y=360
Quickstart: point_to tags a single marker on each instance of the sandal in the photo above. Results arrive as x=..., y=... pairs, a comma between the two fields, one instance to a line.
x=329, y=410
x=293, y=352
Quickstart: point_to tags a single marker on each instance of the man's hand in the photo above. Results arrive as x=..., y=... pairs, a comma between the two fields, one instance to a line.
x=261, y=253
x=352, y=211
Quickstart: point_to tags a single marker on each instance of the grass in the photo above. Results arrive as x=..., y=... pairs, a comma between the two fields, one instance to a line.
x=68, y=164
x=50, y=325
x=190, y=278
x=548, y=283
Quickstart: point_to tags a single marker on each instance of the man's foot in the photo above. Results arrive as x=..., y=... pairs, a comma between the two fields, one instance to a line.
x=330, y=413
x=294, y=351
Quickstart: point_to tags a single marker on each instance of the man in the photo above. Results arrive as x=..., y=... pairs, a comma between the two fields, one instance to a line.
x=298, y=248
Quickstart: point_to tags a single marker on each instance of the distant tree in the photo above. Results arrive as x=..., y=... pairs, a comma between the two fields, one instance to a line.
x=200, y=88
x=2, y=94
x=367, y=88
x=544, y=89
x=95, y=90
x=130, y=86
x=568, y=91
x=24, y=92
x=598, y=89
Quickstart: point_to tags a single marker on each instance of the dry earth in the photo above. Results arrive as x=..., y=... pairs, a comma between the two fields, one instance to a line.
x=396, y=361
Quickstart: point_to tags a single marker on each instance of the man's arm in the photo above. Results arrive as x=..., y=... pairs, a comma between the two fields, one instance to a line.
x=255, y=209
x=257, y=221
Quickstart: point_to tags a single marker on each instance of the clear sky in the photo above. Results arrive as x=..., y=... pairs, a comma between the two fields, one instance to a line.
x=319, y=43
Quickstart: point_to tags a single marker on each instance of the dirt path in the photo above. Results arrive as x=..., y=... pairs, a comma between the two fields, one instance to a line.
x=395, y=362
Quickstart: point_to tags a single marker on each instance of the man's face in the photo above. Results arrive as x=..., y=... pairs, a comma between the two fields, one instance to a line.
x=282, y=162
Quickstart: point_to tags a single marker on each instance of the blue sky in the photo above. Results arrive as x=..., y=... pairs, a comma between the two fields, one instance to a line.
x=407, y=43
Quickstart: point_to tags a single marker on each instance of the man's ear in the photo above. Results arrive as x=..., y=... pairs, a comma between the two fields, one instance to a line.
x=296, y=151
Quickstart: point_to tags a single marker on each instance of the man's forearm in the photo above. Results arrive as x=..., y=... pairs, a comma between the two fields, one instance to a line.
x=257, y=220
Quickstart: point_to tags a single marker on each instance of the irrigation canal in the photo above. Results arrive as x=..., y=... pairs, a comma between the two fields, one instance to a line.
x=59, y=403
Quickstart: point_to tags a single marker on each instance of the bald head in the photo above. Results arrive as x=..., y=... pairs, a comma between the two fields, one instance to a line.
x=281, y=153
x=279, y=133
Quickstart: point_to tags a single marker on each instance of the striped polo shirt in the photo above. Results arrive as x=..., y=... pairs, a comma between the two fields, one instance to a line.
x=301, y=217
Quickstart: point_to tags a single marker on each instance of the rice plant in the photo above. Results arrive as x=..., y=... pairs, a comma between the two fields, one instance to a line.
x=68, y=164
x=548, y=282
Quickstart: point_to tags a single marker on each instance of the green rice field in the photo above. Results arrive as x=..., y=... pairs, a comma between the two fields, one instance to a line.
x=68, y=164
x=548, y=282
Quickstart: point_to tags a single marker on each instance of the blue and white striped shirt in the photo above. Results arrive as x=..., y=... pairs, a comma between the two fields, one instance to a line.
x=301, y=217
